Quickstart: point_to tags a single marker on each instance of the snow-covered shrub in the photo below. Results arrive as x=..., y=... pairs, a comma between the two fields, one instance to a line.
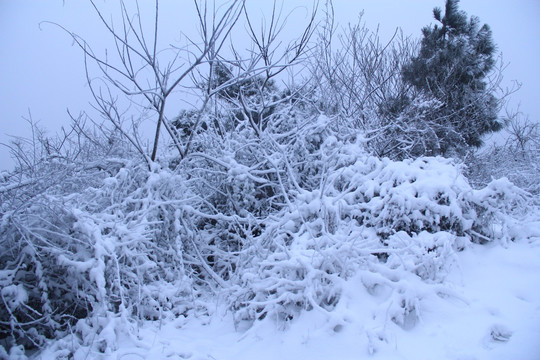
x=428, y=194
x=518, y=159
x=277, y=223
x=409, y=217
x=297, y=264
x=275, y=220
x=427, y=255
x=35, y=230
x=522, y=168
x=497, y=205
x=114, y=247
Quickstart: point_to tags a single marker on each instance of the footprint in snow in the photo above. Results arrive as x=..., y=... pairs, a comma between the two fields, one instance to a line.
x=499, y=333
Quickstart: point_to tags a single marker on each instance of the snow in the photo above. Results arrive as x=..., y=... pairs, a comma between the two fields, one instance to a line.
x=317, y=250
x=13, y=296
x=487, y=308
x=376, y=259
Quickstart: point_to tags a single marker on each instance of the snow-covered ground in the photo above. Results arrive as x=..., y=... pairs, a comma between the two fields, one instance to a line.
x=489, y=309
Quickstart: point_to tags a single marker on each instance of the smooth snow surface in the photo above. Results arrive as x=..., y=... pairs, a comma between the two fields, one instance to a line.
x=489, y=308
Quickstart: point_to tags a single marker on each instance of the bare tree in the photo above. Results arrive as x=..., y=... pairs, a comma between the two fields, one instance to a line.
x=148, y=76
x=357, y=71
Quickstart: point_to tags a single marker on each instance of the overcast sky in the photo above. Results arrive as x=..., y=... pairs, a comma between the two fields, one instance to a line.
x=42, y=72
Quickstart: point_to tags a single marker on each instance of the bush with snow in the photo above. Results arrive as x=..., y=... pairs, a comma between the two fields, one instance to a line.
x=271, y=203
x=408, y=217
x=132, y=243
x=276, y=225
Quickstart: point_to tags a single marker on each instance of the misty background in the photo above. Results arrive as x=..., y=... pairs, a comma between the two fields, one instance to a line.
x=43, y=70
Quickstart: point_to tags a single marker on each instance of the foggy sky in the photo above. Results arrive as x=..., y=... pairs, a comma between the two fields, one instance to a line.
x=42, y=71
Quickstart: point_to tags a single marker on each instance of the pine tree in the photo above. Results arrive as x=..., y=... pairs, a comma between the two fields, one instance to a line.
x=455, y=58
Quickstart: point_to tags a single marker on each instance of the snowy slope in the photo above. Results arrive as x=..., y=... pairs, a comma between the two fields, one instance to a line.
x=490, y=309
